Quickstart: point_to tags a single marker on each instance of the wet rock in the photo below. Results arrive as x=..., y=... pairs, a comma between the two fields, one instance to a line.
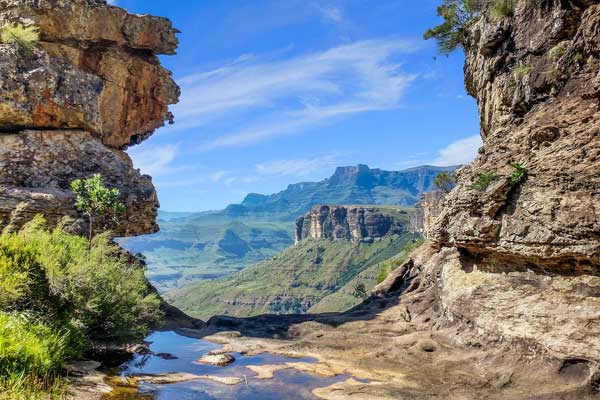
x=178, y=377
x=219, y=360
x=166, y=356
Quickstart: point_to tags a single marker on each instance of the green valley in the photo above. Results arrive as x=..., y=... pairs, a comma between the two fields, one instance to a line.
x=315, y=274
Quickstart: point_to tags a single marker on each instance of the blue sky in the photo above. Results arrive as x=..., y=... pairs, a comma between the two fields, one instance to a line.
x=281, y=91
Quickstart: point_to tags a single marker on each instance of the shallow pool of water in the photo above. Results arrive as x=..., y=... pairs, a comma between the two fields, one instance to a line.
x=287, y=384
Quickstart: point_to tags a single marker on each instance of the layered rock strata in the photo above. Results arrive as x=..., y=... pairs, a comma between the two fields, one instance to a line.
x=426, y=212
x=92, y=87
x=347, y=222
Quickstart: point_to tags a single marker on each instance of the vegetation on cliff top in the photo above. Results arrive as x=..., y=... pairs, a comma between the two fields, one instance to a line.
x=458, y=15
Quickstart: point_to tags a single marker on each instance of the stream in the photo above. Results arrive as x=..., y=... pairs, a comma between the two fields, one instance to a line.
x=286, y=384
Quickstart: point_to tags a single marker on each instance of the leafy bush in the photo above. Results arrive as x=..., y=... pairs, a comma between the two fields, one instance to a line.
x=457, y=15
x=24, y=37
x=518, y=174
x=483, y=179
x=444, y=181
x=500, y=9
x=95, y=200
x=92, y=288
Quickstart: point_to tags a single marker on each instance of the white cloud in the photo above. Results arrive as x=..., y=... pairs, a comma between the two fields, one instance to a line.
x=331, y=13
x=298, y=167
x=460, y=152
x=278, y=97
x=217, y=176
x=111, y=1
x=155, y=160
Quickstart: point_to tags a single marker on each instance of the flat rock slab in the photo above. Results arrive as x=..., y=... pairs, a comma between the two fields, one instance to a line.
x=220, y=360
x=178, y=377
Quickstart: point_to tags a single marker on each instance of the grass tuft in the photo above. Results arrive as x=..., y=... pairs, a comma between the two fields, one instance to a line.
x=24, y=37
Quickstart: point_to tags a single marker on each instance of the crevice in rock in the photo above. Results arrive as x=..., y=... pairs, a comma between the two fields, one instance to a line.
x=475, y=258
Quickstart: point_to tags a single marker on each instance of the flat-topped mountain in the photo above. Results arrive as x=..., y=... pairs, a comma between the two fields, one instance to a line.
x=349, y=223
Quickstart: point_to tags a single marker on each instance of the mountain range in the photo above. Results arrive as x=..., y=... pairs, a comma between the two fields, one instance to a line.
x=192, y=247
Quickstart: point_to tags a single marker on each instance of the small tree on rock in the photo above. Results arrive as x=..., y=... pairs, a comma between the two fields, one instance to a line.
x=445, y=182
x=97, y=201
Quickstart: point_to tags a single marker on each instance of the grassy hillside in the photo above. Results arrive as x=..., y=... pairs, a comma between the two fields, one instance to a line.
x=291, y=282
x=345, y=298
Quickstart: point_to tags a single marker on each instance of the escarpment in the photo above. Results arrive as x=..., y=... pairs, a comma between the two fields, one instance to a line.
x=513, y=257
x=90, y=88
x=348, y=222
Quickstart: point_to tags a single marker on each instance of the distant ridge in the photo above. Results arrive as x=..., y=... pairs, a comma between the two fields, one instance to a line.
x=348, y=185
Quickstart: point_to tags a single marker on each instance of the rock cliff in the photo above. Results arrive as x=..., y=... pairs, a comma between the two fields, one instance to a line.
x=516, y=262
x=348, y=223
x=426, y=212
x=92, y=87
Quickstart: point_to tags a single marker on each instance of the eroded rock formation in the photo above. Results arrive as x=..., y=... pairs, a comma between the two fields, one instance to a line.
x=426, y=212
x=517, y=262
x=92, y=87
x=348, y=223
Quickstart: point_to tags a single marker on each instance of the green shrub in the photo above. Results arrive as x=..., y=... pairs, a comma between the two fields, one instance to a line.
x=97, y=201
x=518, y=174
x=24, y=37
x=558, y=51
x=444, y=181
x=93, y=288
x=577, y=58
x=360, y=291
x=483, y=179
x=500, y=9
x=520, y=70
x=457, y=16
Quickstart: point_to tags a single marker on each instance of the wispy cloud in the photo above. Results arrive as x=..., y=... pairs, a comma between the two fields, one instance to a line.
x=460, y=152
x=278, y=97
x=297, y=167
x=156, y=160
x=330, y=12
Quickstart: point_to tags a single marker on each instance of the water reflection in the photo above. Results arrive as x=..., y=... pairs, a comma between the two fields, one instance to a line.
x=287, y=384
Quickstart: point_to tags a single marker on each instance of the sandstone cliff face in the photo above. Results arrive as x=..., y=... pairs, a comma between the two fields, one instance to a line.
x=426, y=212
x=347, y=222
x=91, y=88
x=518, y=263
